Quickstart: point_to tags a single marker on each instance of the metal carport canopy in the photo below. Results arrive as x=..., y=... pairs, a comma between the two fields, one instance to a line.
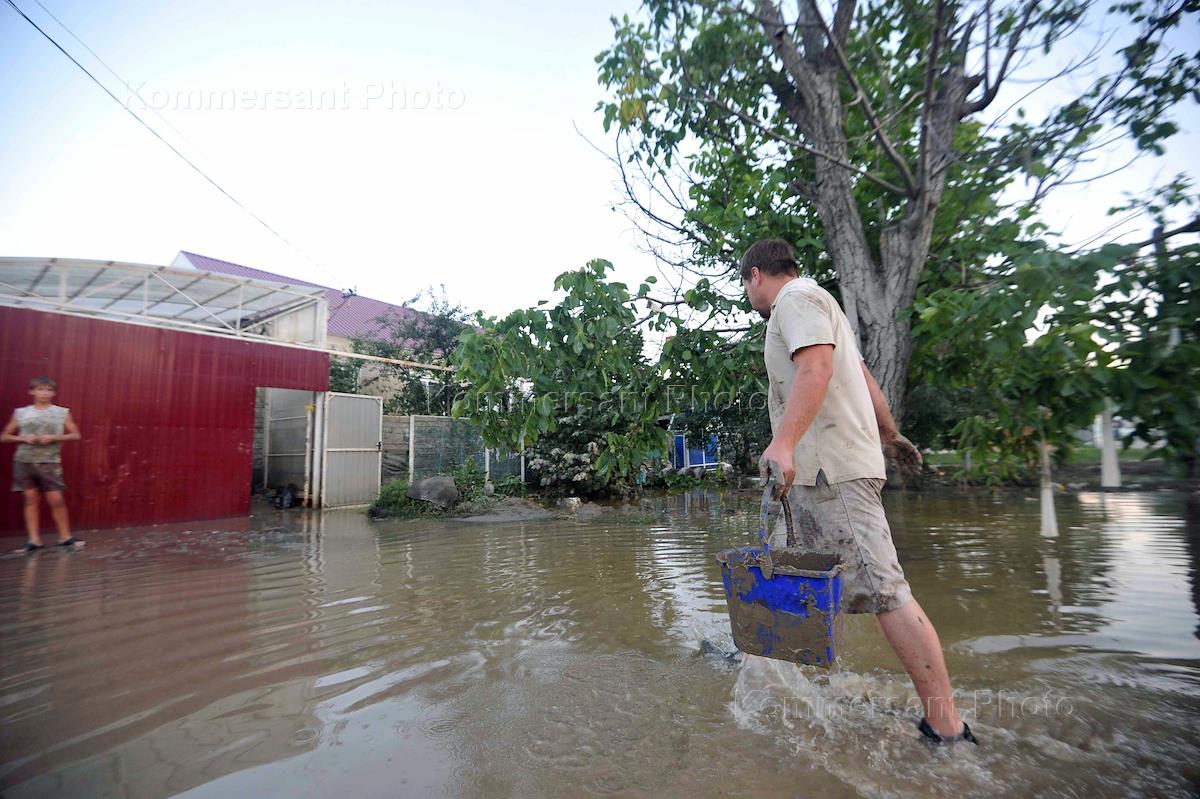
x=162, y=296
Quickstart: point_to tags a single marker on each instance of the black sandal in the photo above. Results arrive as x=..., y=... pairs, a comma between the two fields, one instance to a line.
x=934, y=738
x=31, y=547
x=70, y=542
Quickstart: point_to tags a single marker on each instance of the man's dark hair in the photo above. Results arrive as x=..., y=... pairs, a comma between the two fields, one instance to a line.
x=42, y=380
x=771, y=256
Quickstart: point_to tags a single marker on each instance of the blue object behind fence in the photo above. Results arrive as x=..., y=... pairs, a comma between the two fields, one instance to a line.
x=685, y=457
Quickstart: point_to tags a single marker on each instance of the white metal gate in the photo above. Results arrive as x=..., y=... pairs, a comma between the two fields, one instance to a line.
x=287, y=439
x=351, y=450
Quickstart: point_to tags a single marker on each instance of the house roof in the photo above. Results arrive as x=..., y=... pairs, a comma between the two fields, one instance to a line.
x=349, y=316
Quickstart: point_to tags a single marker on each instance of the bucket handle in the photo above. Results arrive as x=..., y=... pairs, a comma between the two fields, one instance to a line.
x=768, y=566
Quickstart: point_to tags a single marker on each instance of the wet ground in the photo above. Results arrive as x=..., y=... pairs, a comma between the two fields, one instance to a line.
x=318, y=656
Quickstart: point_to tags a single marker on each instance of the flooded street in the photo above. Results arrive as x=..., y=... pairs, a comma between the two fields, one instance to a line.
x=317, y=656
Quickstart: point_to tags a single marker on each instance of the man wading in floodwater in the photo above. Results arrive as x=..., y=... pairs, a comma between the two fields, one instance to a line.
x=830, y=427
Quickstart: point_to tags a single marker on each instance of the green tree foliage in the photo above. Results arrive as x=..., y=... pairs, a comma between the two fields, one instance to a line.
x=1153, y=313
x=717, y=383
x=570, y=382
x=742, y=428
x=1025, y=351
x=425, y=332
x=867, y=134
x=343, y=374
x=1041, y=342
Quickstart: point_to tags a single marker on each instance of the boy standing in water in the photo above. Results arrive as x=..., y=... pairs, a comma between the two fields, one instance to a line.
x=831, y=426
x=38, y=430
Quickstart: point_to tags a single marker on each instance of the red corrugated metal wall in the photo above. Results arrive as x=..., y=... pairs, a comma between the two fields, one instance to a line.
x=167, y=417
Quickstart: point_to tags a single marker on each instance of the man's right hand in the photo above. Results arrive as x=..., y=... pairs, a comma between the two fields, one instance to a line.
x=779, y=460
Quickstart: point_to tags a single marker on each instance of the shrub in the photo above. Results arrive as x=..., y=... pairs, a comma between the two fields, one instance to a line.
x=394, y=502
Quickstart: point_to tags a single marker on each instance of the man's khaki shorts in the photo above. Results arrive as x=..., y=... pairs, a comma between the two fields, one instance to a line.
x=847, y=519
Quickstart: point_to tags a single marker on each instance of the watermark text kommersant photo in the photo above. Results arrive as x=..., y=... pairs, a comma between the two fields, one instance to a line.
x=382, y=95
x=996, y=705
x=679, y=399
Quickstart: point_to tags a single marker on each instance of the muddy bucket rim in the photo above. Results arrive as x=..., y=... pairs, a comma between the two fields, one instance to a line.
x=750, y=557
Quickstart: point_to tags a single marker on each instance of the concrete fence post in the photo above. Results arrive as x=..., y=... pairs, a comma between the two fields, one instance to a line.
x=1049, y=518
x=412, y=450
x=1110, y=468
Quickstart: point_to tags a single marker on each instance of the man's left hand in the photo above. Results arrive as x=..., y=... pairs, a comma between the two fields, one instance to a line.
x=904, y=454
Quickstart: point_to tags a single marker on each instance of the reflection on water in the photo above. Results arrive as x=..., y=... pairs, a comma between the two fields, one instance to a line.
x=307, y=656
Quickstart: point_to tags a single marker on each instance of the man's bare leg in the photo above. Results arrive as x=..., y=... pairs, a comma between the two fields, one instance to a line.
x=33, y=498
x=58, y=509
x=916, y=643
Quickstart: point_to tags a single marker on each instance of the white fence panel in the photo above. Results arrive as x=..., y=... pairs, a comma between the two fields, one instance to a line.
x=352, y=450
x=287, y=440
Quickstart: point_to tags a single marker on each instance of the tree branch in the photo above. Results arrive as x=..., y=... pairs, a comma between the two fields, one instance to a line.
x=806, y=26
x=935, y=43
x=1160, y=235
x=884, y=141
x=987, y=46
x=992, y=88
x=843, y=17
x=878, y=181
x=784, y=47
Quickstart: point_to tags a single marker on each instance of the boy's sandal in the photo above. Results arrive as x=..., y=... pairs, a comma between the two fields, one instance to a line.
x=933, y=738
x=70, y=542
x=31, y=547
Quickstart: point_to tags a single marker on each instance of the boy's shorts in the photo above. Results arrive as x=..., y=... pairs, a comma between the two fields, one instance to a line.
x=42, y=476
x=847, y=519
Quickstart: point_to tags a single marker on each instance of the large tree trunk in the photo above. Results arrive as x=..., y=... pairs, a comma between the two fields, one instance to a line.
x=883, y=333
x=873, y=295
x=876, y=294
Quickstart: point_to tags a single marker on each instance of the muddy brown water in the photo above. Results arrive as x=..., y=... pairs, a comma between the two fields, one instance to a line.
x=316, y=656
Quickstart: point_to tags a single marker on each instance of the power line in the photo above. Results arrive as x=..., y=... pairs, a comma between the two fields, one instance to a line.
x=156, y=134
x=120, y=80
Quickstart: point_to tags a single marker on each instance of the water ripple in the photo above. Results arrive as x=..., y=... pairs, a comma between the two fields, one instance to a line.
x=306, y=656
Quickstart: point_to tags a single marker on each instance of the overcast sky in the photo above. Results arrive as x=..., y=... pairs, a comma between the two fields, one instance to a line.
x=442, y=148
